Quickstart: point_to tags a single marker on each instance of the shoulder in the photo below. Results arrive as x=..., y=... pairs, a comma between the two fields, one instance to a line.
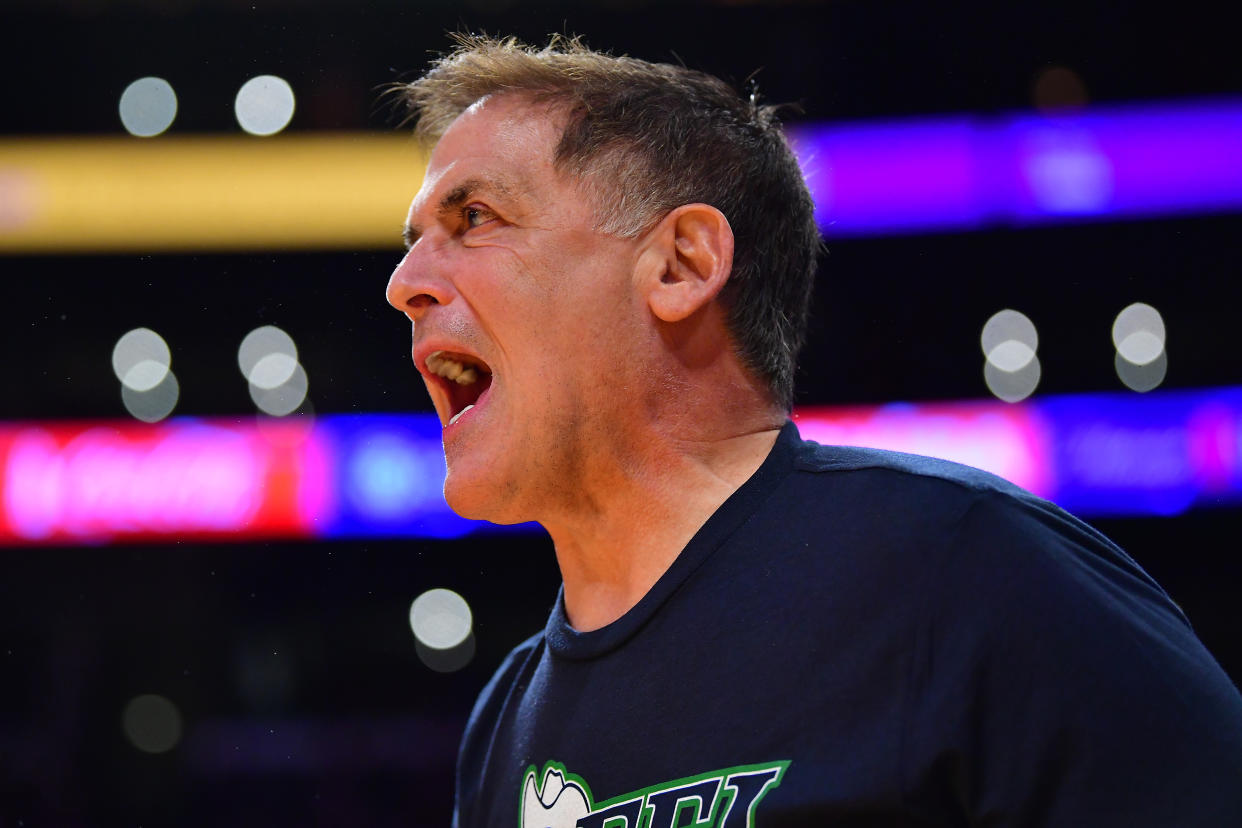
x=1058, y=673
x=894, y=467
x=1047, y=670
x=962, y=503
x=981, y=521
x=985, y=553
x=910, y=503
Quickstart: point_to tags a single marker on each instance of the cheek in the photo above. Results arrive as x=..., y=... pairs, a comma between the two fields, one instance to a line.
x=563, y=312
x=500, y=293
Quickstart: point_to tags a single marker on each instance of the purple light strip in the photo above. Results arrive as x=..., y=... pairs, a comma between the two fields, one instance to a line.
x=964, y=173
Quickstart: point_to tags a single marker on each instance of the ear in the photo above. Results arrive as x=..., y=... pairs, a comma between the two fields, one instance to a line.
x=687, y=261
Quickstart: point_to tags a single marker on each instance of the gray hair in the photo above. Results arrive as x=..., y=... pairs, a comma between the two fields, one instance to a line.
x=645, y=138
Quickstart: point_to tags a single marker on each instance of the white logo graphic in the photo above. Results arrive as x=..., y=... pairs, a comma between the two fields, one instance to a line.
x=557, y=805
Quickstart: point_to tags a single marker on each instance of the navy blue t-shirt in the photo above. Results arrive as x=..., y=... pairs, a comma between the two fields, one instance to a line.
x=864, y=638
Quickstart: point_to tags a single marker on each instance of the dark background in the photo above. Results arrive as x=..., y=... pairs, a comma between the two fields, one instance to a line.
x=303, y=650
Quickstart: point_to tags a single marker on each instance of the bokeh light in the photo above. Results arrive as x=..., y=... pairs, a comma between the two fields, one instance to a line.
x=148, y=107
x=1144, y=377
x=1009, y=340
x=285, y=398
x=1057, y=89
x=273, y=370
x=141, y=359
x=260, y=344
x=446, y=661
x=1138, y=334
x=441, y=619
x=152, y=404
x=268, y=359
x=264, y=105
x=152, y=723
x=1012, y=386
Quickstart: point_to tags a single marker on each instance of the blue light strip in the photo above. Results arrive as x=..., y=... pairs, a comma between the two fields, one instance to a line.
x=964, y=173
x=1156, y=454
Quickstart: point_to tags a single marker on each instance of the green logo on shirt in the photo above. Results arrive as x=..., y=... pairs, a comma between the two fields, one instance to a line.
x=724, y=798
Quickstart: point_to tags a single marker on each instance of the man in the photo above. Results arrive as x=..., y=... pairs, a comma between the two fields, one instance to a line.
x=608, y=272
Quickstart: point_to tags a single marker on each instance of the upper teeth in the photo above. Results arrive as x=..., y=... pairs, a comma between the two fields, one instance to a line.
x=449, y=368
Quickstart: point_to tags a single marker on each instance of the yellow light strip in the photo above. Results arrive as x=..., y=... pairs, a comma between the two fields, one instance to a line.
x=294, y=192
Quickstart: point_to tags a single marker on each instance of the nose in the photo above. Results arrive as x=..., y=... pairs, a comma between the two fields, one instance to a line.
x=413, y=287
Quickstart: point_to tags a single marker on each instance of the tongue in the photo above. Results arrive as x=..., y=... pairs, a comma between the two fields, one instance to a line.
x=465, y=396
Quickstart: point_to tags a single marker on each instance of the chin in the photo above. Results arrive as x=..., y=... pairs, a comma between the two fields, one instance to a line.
x=463, y=503
x=477, y=498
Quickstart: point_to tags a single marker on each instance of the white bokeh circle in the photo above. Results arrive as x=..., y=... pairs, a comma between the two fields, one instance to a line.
x=148, y=107
x=441, y=619
x=1139, y=334
x=1009, y=340
x=141, y=359
x=264, y=105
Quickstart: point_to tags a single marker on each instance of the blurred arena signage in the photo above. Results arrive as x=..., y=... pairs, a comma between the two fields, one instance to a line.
x=381, y=475
x=968, y=172
x=349, y=191
x=311, y=191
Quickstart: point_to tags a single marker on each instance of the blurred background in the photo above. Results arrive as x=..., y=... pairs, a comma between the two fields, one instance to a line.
x=230, y=592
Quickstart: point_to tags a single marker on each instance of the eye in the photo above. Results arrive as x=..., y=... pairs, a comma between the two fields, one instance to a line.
x=476, y=216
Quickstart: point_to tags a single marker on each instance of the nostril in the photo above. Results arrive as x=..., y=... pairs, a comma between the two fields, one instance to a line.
x=421, y=301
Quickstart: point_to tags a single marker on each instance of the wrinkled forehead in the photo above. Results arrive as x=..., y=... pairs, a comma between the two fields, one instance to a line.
x=506, y=137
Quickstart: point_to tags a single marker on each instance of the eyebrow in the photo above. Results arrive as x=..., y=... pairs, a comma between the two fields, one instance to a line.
x=455, y=198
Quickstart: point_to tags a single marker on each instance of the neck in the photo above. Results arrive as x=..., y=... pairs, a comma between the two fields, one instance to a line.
x=659, y=492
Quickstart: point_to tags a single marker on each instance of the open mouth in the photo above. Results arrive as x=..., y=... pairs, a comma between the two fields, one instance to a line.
x=463, y=378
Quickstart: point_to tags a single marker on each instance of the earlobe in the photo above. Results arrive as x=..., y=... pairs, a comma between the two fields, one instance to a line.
x=694, y=245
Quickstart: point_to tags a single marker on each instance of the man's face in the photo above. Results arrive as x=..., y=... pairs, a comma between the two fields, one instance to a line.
x=507, y=282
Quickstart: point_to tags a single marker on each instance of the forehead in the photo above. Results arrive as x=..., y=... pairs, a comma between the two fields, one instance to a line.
x=507, y=141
